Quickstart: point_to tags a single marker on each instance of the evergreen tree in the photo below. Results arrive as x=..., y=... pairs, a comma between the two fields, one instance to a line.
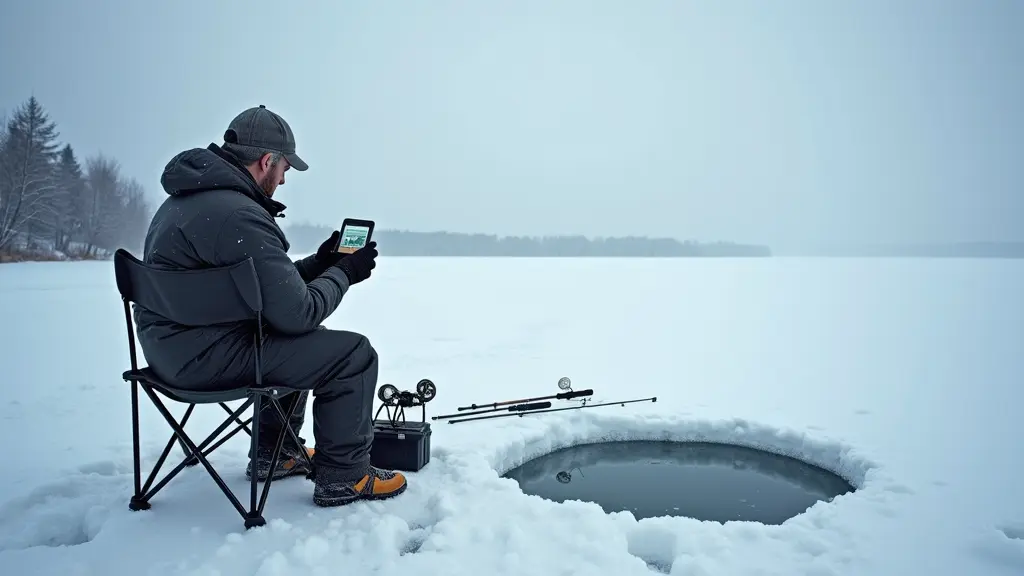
x=27, y=178
x=68, y=199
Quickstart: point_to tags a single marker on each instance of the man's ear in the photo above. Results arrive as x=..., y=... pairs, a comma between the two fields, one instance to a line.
x=265, y=161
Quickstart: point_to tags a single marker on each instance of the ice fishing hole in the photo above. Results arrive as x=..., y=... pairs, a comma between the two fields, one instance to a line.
x=705, y=481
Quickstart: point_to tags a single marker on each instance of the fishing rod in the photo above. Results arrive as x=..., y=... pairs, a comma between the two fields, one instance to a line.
x=564, y=383
x=522, y=405
x=522, y=413
x=516, y=408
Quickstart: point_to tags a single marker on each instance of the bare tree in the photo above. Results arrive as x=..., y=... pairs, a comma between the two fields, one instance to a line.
x=100, y=207
x=134, y=215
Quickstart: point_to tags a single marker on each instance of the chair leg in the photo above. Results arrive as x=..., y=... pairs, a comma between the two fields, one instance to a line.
x=288, y=428
x=255, y=516
x=167, y=451
x=137, y=502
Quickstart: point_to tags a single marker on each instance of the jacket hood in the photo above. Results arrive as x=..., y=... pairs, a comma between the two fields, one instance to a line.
x=201, y=169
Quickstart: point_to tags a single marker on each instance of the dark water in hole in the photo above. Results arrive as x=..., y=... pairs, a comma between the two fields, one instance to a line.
x=697, y=480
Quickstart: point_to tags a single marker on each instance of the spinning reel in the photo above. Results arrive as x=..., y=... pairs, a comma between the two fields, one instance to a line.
x=565, y=384
x=391, y=397
x=565, y=476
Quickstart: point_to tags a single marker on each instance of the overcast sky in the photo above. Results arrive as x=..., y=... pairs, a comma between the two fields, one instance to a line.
x=789, y=123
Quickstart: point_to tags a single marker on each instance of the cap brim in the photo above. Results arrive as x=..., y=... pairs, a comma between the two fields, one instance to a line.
x=296, y=162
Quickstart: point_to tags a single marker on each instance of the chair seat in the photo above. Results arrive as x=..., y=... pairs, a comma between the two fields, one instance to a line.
x=223, y=392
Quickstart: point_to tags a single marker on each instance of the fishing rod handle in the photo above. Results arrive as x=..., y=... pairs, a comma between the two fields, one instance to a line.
x=530, y=406
x=576, y=394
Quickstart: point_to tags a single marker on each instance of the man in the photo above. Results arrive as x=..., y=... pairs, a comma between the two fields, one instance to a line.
x=220, y=210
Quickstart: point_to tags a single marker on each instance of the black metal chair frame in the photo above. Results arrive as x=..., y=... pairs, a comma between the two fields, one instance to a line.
x=128, y=270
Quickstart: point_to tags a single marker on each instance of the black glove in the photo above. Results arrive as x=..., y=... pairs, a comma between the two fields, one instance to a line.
x=358, y=265
x=326, y=255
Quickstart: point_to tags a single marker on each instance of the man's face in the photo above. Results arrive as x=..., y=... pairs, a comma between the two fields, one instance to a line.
x=271, y=173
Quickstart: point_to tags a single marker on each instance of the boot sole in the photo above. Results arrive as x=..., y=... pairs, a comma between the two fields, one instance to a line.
x=335, y=502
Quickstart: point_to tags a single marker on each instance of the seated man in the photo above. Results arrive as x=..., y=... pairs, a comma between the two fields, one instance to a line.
x=220, y=210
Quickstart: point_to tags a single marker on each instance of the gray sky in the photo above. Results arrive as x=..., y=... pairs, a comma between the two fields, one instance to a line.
x=788, y=123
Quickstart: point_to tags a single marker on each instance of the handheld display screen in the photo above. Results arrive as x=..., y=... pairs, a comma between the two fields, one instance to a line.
x=353, y=237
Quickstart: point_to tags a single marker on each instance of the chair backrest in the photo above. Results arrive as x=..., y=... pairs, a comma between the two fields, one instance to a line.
x=191, y=297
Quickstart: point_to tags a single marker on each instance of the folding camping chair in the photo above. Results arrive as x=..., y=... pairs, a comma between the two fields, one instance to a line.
x=172, y=294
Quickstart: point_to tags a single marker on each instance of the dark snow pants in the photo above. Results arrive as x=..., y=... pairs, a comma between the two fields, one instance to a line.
x=340, y=369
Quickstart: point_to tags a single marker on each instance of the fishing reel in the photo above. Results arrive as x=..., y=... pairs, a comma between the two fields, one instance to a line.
x=565, y=384
x=391, y=397
x=565, y=476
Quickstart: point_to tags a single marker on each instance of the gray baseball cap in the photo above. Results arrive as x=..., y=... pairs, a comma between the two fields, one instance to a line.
x=258, y=129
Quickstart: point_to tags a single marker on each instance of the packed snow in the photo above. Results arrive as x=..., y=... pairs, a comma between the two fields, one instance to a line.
x=903, y=376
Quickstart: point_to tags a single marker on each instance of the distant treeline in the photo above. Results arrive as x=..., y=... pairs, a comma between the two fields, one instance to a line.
x=305, y=238
x=951, y=250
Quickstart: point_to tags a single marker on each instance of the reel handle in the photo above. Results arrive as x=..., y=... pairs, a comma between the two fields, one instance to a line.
x=576, y=394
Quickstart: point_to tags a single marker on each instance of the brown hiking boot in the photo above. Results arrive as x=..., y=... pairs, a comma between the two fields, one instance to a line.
x=289, y=463
x=335, y=488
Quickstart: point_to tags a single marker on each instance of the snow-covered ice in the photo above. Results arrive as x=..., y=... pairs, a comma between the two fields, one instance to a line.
x=902, y=375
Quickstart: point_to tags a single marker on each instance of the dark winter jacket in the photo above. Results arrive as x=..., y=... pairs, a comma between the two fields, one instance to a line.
x=217, y=215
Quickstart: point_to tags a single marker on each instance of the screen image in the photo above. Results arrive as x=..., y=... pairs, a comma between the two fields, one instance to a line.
x=353, y=238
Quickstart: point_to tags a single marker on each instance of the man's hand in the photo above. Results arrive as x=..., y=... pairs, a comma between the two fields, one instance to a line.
x=359, y=264
x=326, y=256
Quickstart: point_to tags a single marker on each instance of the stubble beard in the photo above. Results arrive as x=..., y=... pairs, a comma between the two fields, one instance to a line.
x=268, y=183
